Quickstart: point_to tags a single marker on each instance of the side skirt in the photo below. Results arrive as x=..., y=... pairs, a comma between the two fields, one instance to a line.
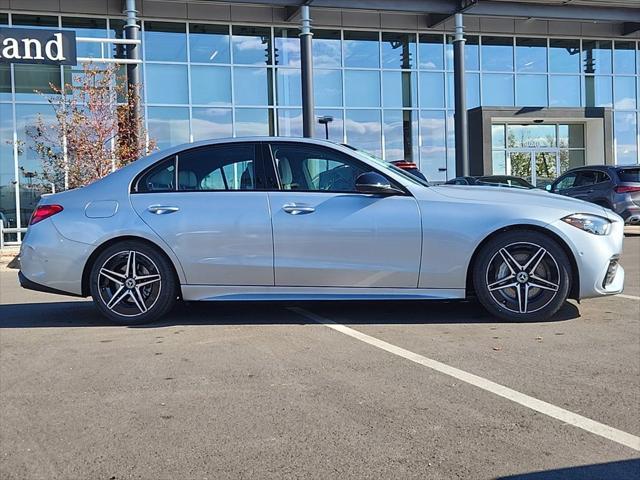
x=233, y=293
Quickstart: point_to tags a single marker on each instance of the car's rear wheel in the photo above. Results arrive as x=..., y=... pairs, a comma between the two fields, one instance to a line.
x=522, y=276
x=132, y=283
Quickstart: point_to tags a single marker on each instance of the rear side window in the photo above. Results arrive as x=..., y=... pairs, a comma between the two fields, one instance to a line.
x=161, y=178
x=629, y=175
x=586, y=178
x=218, y=167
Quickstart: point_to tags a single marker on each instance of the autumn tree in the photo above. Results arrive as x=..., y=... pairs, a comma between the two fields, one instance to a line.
x=96, y=129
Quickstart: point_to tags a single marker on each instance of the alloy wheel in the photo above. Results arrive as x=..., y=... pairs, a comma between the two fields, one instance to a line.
x=129, y=283
x=523, y=277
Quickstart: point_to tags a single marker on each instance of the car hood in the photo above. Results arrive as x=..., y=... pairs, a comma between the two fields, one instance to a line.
x=516, y=197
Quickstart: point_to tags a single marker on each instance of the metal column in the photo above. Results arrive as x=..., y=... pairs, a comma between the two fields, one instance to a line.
x=461, y=131
x=306, y=60
x=132, y=32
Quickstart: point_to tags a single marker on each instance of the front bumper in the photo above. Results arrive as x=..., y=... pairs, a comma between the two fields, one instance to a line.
x=593, y=255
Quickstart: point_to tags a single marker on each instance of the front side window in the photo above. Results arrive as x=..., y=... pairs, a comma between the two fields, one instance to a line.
x=566, y=182
x=217, y=167
x=312, y=168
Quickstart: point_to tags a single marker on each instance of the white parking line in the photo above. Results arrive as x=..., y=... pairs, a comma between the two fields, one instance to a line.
x=630, y=297
x=618, y=436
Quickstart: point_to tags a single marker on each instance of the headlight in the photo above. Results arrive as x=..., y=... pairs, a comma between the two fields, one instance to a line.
x=589, y=223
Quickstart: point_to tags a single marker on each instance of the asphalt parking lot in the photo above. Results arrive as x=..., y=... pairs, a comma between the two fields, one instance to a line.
x=320, y=390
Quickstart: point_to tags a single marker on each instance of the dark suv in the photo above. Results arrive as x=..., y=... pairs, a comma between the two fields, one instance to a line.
x=614, y=187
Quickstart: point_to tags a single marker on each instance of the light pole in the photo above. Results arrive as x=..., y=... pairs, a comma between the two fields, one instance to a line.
x=325, y=120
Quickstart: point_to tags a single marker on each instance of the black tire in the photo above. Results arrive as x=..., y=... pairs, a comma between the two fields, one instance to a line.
x=508, y=293
x=124, y=287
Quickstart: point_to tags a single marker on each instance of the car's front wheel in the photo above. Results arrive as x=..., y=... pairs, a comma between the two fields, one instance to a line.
x=132, y=283
x=522, y=276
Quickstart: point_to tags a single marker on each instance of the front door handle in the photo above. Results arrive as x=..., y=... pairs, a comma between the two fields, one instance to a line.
x=297, y=209
x=162, y=209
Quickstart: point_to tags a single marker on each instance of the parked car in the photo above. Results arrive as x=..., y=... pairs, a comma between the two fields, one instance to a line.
x=492, y=180
x=275, y=218
x=610, y=186
x=410, y=167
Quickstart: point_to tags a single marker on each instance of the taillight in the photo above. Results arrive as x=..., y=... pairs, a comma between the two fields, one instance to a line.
x=406, y=165
x=626, y=189
x=44, y=211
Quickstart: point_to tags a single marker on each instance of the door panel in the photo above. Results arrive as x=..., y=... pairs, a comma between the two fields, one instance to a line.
x=220, y=238
x=206, y=204
x=345, y=240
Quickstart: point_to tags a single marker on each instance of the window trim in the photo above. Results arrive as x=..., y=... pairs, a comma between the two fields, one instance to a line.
x=274, y=171
x=259, y=170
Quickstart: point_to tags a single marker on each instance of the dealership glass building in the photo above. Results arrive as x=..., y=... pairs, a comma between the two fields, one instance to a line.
x=546, y=89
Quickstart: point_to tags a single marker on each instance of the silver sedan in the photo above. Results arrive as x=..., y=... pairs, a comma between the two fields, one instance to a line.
x=296, y=219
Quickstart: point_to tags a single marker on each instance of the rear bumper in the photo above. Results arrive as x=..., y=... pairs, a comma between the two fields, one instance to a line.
x=29, y=285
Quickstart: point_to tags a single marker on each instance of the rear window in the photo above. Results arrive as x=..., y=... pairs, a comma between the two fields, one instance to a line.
x=629, y=174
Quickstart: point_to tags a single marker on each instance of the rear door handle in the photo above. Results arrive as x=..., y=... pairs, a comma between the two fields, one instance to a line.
x=162, y=209
x=295, y=209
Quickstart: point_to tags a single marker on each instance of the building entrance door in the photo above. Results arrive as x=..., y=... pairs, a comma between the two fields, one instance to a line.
x=540, y=167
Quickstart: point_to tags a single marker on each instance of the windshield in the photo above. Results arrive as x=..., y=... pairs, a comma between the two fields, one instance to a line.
x=390, y=167
x=629, y=174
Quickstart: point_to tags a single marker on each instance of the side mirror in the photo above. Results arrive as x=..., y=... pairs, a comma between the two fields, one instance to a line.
x=373, y=182
x=548, y=188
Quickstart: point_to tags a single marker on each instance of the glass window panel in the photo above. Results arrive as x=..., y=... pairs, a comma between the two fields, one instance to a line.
x=431, y=52
x=531, y=90
x=5, y=81
x=400, y=135
x=598, y=91
x=209, y=43
x=7, y=173
x=211, y=123
x=333, y=129
x=165, y=41
x=498, y=136
x=210, y=85
x=471, y=53
x=34, y=21
x=623, y=57
x=564, y=91
x=287, y=47
x=88, y=27
x=399, y=89
x=361, y=49
x=431, y=90
x=564, y=56
x=473, y=90
x=290, y=122
x=251, y=45
x=497, y=89
x=327, y=87
x=252, y=86
x=531, y=136
x=626, y=138
x=288, y=87
x=398, y=50
x=571, y=136
x=497, y=53
x=433, y=152
x=326, y=48
x=363, y=129
x=254, y=121
x=362, y=88
x=4, y=19
x=30, y=79
x=596, y=56
x=531, y=55
x=159, y=77
x=624, y=90
x=499, y=162
x=571, y=159
x=168, y=125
